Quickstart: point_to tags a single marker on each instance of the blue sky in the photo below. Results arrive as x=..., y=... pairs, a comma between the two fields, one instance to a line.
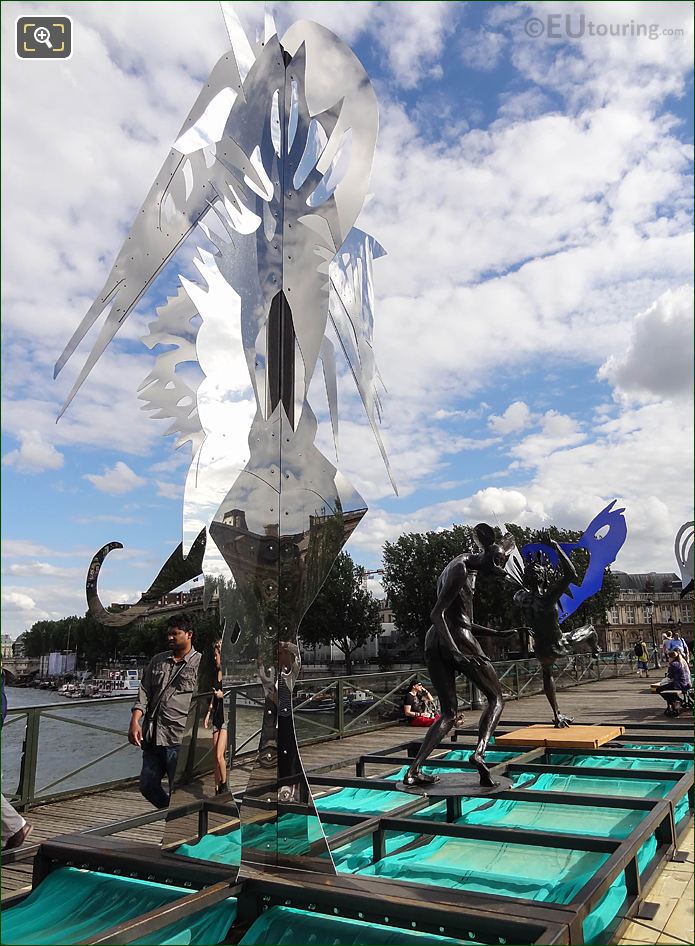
x=534, y=312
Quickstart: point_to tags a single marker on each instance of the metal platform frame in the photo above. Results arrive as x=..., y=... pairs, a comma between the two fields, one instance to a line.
x=453, y=913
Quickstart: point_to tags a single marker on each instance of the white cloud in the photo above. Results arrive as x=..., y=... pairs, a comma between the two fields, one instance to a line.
x=412, y=36
x=17, y=601
x=119, y=479
x=641, y=458
x=169, y=490
x=658, y=361
x=20, y=608
x=515, y=417
x=26, y=548
x=34, y=454
x=557, y=431
x=482, y=49
x=34, y=569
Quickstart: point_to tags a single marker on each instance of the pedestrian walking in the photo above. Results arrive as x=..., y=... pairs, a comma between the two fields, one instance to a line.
x=15, y=829
x=642, y=655
x=159, y=714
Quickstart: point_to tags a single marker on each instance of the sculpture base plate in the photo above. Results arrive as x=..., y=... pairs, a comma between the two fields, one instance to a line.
x=465, y=784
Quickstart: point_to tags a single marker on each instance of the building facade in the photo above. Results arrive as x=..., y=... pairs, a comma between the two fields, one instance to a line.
x=649, y=605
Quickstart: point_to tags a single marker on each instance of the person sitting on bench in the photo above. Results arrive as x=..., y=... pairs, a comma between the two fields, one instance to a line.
x=675, y=689
x=417, y=705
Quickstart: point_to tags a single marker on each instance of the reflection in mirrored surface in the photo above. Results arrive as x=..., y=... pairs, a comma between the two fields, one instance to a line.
x=212, y=822
x=273, y=164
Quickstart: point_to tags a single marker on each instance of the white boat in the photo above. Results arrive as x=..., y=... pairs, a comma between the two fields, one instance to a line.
x=114, y=683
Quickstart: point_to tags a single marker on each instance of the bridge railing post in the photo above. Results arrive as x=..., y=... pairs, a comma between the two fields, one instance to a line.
x=30, y=752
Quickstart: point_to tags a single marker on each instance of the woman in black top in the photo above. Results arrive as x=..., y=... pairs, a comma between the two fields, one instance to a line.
x=215, y=714
x=416, y=703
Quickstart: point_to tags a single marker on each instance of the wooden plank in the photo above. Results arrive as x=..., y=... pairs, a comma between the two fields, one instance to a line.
x=573, y=737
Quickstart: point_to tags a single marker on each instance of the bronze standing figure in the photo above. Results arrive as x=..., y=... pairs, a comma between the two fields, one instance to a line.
x=538, y=599
x=451, y=649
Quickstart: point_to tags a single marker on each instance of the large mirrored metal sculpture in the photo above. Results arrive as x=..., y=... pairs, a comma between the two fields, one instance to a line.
x=548, y=591
x=452, y=648
x=272, y=164
x=685, y=551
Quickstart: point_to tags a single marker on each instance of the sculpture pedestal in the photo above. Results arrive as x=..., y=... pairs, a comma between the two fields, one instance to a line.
x=462, y=784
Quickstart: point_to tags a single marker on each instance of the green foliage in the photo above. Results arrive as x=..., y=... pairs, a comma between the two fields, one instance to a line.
x=343, y=612
x=412, y=566
x=95, y=642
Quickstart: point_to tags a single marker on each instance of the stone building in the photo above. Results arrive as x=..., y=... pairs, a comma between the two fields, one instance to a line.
x=649, y=604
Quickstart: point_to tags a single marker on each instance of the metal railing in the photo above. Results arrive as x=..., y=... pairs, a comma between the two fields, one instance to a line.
x=64, y=749
x=327, y=708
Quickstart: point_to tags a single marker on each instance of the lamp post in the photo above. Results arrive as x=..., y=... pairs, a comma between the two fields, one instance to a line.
x=649, y=611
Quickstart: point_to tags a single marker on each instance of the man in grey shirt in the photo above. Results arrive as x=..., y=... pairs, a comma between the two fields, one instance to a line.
x=164, y=699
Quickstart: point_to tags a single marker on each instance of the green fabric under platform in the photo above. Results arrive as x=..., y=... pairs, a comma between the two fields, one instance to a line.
x=592, y=785
x=226, y=848
x=285, y=926
x=620, y=762
x=544, y=874
x=492, y=756
x=72, y=905
x=361, y=801
x=680, y=747
x=545, y=816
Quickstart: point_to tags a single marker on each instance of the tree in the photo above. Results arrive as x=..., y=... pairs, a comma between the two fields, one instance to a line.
x=343, y=613
x=412, y=566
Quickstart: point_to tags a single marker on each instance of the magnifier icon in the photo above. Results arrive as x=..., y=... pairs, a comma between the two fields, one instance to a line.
x=43, y=35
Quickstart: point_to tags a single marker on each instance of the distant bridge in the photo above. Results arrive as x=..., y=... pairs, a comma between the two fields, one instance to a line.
x=16, y=667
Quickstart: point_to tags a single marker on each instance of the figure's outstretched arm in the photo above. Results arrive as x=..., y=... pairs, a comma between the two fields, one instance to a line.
x=480, y=630
x=567, y=576
x=455, y=577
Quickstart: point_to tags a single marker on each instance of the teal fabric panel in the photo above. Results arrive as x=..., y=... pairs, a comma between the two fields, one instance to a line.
x=358, y=801
x=218, y=848
x=537, y=816
x=605, y=910
x=225, y=848
x=620, y=762
x=549, y=874
x=610, y=904
x=358, y=854
x=285, y=926
x=592, y=785
x=682, y=809
x=208, y=927
x=646, y=853
x=73, y=905
x=545, y=816
x=492, y=755
x=681, y=747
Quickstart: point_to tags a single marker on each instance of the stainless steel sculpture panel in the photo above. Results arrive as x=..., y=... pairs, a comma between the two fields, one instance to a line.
x=685, y=553
x=272, y=164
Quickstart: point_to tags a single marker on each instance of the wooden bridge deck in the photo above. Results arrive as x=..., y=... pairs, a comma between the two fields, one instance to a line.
x=623, y=700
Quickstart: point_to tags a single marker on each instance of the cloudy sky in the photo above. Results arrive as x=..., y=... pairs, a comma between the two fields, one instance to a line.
x=534, y=311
